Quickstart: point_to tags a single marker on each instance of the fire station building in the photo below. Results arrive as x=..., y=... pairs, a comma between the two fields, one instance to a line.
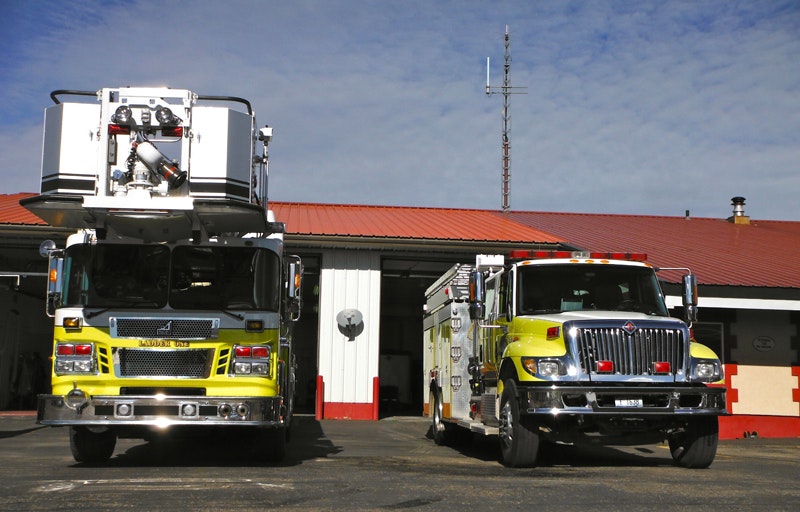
x=359, y=338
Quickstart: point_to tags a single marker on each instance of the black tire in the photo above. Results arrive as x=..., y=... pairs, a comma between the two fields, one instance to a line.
x=439, y=429
x=519, y=440
x=696, y=445
x=92, y=446
x=271, y=445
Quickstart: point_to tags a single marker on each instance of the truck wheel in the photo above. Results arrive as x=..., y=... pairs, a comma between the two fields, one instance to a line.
x=519, y=441
x=438, y=426
x=696, y=445
x=271, y=445
x=92, y=446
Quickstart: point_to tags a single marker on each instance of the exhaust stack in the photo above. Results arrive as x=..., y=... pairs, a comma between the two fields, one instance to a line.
x=738, y=211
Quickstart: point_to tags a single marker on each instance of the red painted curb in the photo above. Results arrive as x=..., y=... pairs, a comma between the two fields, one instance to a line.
x=17, y=414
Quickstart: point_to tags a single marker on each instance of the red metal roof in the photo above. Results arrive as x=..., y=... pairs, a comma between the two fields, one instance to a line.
x=405, y=222
x=763, y=253
x=12, y=213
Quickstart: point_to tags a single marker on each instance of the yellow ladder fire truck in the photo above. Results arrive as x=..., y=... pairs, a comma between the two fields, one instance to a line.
x=563, y=347
x=173, y=300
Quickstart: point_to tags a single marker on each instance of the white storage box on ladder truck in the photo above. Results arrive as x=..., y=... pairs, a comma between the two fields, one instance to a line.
x=174, y=300
x=568, y=347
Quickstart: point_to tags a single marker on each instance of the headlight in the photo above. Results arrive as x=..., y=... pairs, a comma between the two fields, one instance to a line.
x=83, y=366
x=122, y=115
x=543, y=368
x=260, y=368
x=707, y=370
x=242, y=368
x=251, y=360
x=74, y=358
x=549, y=368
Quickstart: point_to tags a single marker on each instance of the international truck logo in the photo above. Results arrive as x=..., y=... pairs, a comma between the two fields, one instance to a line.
x=629, y=327
x=165, y=330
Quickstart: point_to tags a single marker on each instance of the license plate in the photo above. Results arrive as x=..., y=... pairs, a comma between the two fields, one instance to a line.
x=629, y=402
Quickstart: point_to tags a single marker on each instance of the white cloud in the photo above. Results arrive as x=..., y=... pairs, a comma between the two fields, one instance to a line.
x=647, y=108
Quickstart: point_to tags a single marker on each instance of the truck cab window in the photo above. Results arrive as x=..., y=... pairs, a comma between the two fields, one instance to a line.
x=563, y=288
x=116, y=276
x=490, y=313
x=224, y=277
x=504, y=294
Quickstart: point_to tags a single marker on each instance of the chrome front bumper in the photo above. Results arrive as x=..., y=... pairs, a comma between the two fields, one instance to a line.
x=623, y=401
x=159, y=411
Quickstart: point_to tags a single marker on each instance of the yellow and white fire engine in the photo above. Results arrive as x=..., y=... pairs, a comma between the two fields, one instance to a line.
x=562, y=347
x=173, y=300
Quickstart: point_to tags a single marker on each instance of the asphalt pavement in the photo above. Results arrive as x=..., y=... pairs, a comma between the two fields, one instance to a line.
x=391, y=464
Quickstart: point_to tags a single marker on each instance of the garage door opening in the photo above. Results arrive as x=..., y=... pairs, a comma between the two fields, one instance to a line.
x=306, y=337
x=403, y=285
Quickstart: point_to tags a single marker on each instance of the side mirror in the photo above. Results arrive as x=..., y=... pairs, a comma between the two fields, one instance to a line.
x=690, y=298
x=55, y=268
x=477, y=295
x=294, y=278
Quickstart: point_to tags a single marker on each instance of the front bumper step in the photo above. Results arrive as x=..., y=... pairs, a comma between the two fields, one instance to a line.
x=610, y=400
x=160, y=411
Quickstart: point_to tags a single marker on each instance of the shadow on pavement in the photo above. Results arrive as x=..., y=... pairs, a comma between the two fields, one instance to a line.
x=223, y=447
x=14, y=433
x=487, y=449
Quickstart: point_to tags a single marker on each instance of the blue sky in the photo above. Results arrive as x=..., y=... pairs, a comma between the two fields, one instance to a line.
x=648, y=108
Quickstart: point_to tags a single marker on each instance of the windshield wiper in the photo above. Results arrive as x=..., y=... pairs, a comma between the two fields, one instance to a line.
x=92, y=314
x=234, y=315
x=138, y=304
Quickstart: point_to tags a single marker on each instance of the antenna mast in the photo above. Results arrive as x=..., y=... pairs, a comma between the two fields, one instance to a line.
x=506, y=90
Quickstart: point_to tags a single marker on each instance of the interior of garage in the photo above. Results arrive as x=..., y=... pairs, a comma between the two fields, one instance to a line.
x=26, y=333
x=306, y=336
x=403, y=285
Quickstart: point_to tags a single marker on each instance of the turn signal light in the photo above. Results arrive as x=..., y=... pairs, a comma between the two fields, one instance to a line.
x=72, y=322
x=65, y=350
x=662, y=367
x=251, y=360
x=69, y=349
x=254, y=326
x=605, y=366
x=247, y=351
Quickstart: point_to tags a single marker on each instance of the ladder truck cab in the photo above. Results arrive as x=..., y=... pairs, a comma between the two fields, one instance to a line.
x=563, y=347
x=173, y=301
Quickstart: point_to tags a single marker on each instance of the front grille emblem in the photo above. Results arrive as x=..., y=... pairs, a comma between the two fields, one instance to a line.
x=629, y=327
x=165, y=330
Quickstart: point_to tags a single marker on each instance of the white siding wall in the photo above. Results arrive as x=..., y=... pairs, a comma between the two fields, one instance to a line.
x=349, y=279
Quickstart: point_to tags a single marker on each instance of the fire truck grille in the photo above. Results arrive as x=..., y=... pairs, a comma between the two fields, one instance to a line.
x=193, y=364
x=631, y=354
x=161, y=328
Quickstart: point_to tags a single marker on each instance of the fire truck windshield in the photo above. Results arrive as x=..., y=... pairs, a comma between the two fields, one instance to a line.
x=188, y=277
x=571, y=287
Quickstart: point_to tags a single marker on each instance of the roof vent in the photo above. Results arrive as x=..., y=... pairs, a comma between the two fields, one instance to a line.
x=738, y=211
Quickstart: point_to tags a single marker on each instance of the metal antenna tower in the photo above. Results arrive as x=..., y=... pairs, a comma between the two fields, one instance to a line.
x=506, y=90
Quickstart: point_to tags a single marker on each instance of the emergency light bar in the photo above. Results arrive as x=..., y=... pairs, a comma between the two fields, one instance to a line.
x=166, y=131
x=521, y=254
x=122, y=122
